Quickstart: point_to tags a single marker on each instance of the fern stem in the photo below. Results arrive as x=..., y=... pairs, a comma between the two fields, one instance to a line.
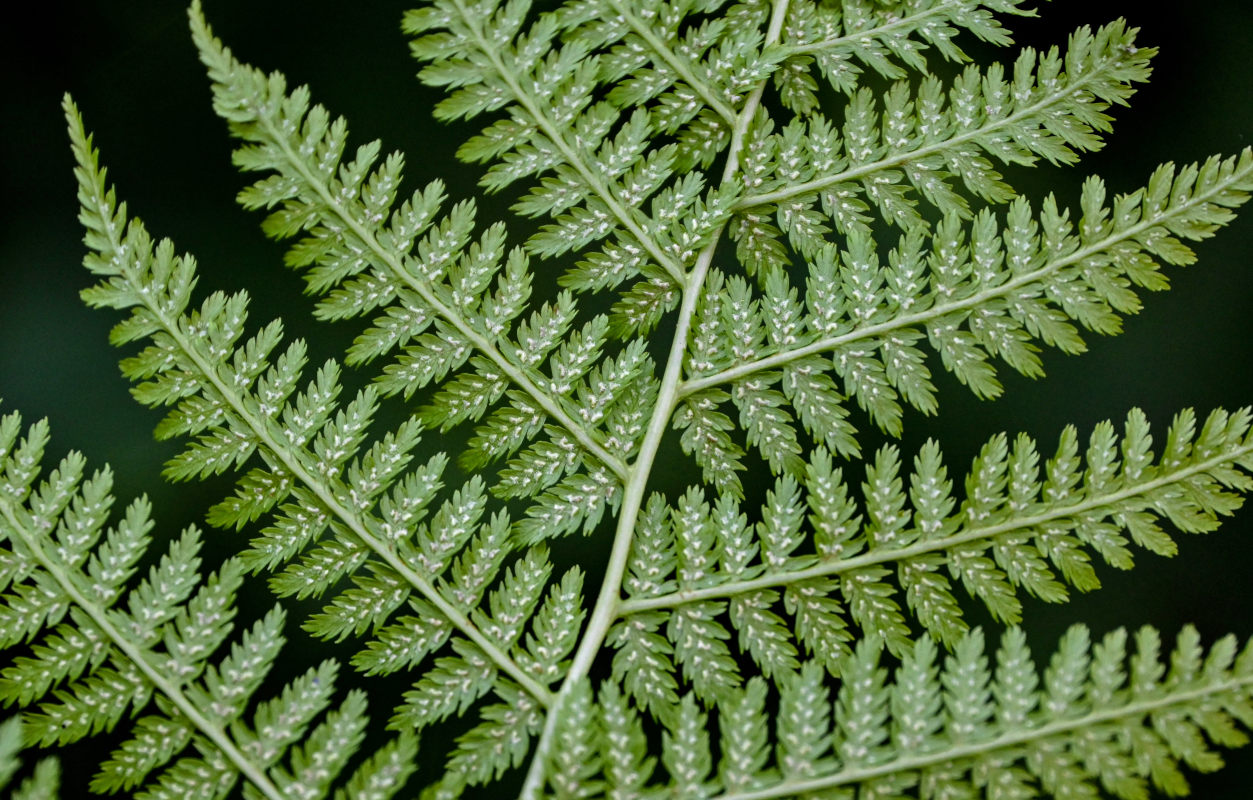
x=672, y=60
x=1241, y=173
x=800, y=788
x=1065, y=92
x=293, y=460
x=568, y=151
x=254, y=773
x=609, y=599
x=515, y=373
x=828, y=568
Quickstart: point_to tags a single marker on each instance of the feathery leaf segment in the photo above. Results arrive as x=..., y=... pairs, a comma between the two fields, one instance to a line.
x=1097, y=719
x=236, y=404
x=103, y=652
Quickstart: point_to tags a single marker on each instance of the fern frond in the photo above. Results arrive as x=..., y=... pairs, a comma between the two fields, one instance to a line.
x=318, y=474
x=1025, y=525
x=360, y=251
x=100, y=652
x=639, y=136
x=1096, y=720
x=842, y=42
x=982, y=289
x=1052, y=106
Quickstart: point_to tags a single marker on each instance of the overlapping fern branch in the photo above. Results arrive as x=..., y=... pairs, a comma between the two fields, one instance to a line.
x=1024, y=525
x=971, y=291
x=339, y=508
x=104, y=648
x=571, y=411
x=813, y=245
x=1095, y=723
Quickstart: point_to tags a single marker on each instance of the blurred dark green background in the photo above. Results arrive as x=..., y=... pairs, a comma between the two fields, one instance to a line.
x=132, y=70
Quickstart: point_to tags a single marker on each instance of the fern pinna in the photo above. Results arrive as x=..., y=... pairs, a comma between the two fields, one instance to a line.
x=758, y=228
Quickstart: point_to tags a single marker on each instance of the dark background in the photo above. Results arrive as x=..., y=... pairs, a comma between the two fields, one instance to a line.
x=133, y=71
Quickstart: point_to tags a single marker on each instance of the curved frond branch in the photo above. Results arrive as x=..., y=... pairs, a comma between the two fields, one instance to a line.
x=1016, y=530
x=123, y=248
x=258, y=109
x=65, y=586
x=1094, y=717
x=103, y=648
x=1189, y=203
x=216, y=734
x=768, y=580
x=1042, y=110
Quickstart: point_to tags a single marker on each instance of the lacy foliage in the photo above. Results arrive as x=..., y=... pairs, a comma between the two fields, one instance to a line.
x=769, y=223
x=158, y=653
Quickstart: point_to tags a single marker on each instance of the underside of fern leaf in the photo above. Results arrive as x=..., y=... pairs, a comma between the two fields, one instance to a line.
x=755, y=237
x=101, y=648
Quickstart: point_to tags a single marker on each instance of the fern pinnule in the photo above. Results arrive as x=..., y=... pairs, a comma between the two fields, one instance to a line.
x=321, y=476
x=1027, y=525
x=969, y=721
x=104, y=648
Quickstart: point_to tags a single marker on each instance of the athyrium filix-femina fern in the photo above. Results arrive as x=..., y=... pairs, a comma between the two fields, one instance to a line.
x=744, y=237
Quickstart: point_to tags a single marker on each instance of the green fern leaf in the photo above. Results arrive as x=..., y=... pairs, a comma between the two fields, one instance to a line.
x=101, y=652
x=742, y=235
